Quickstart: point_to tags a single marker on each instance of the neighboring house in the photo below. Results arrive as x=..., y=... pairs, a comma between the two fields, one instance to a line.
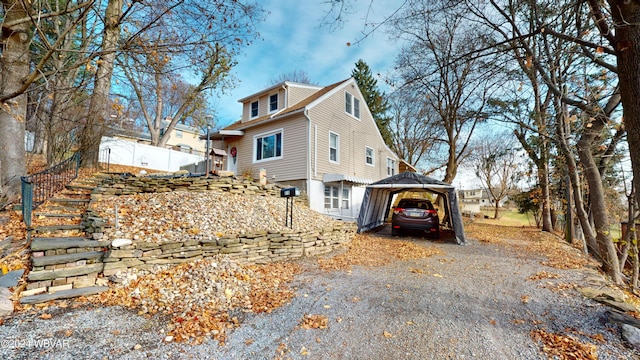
x=322, y=140
x=471, y=201
x=182, y=138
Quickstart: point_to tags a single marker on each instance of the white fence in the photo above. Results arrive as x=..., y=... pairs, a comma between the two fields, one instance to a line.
x=129, y=153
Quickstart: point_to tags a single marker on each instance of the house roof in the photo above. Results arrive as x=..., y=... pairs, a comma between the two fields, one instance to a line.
x=300, y=106
x=279, y=85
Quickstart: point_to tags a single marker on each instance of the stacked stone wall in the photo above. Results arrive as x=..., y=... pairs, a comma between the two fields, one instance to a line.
x=71, y=263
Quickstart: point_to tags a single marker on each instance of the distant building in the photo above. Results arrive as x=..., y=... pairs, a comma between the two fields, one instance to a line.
x=182, y=138
x=471, y=201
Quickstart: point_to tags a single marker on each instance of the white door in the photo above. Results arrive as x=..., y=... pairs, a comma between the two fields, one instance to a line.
x=232, y=160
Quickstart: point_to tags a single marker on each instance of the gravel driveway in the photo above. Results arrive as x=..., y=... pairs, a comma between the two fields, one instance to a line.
x=480, y=301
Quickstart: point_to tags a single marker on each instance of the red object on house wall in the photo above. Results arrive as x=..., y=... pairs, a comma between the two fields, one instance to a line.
x=234, y=151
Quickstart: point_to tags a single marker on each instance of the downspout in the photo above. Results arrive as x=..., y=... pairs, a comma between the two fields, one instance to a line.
x=306, y=115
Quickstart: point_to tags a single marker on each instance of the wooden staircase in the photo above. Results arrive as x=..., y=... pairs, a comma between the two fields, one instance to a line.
x=65, y=262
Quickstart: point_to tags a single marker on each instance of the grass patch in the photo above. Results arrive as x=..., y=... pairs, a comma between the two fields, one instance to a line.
x=507, y=217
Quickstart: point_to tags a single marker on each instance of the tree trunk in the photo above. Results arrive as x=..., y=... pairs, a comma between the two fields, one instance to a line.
x=14, y=66
x=598, y=207
x=99, y=104
x=543, y=180
x=627, y=35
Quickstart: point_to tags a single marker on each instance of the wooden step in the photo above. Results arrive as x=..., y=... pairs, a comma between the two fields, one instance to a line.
x=54, y=243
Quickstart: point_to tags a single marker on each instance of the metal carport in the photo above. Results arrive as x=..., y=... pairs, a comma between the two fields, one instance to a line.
x=379, y=195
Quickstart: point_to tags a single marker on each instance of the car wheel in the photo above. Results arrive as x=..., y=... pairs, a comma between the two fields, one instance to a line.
x=436, y=235
x=395, y=232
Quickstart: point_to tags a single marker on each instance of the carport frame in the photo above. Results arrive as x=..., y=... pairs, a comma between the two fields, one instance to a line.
x=381, y=193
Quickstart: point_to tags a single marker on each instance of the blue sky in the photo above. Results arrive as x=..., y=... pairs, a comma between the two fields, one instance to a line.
x=292, y=39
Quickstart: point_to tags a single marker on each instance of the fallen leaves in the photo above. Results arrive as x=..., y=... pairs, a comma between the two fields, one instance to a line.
x=314, y=322
x=564, y=347
x=197, y=296
x=543, y=275
x=375, y=250
x=557, y=253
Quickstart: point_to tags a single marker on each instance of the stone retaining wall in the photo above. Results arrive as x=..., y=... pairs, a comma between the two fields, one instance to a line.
x=119, y=185
x=74, y=263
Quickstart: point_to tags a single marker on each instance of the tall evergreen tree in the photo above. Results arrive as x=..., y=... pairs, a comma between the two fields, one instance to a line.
x=376, y=101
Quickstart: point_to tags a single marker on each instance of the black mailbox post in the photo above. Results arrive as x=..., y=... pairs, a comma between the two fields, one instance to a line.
x=289, y=194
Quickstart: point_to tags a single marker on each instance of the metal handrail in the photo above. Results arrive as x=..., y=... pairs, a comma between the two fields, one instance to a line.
x=39, y=187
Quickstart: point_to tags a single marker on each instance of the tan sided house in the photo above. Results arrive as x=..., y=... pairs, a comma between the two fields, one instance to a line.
x=322, y=140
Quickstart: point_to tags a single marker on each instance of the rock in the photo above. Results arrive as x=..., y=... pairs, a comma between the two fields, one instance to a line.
x=606, y=293
x=121, y=242
x=617, y=317
x=618, y=305
x=632, y=335
x=137, y=347
x=168, y=338
x=6, y=305
x=6, y=242
x=11, y=278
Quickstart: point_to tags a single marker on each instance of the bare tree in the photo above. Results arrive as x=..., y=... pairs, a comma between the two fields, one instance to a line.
x=297, y=76
x=170, y=45
x=455, y=86
x=19, y=24
x=567, y=82
x=497, y=165
x=413, y=129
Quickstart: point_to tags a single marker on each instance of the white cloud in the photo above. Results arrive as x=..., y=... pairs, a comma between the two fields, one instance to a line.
x=292, y=40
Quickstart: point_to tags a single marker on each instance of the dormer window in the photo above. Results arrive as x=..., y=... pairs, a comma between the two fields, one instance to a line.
x=254, y=109
x=273, y=102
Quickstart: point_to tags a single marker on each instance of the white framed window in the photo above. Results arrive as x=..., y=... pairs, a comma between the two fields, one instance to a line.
x=254, y=109
x=334, y=147
x=351, y=105
x=267, y=146
x=391, y=167
x=179, y=134
x=369, y=156
x=331, y=197
x=356, y=108
x=273, y=102
x=345, y=198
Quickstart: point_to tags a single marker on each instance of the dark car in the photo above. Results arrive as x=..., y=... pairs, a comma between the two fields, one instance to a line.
x=415, y=214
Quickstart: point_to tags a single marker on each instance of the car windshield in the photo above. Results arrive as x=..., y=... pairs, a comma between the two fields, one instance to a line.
x=415, y=204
